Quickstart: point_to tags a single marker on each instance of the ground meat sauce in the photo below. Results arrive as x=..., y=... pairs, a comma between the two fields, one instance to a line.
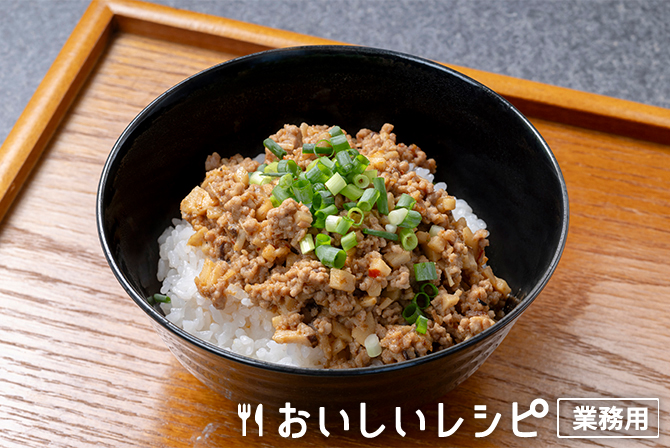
x=254, y=245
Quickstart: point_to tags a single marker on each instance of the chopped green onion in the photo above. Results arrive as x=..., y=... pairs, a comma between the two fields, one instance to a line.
x=343, y=225
x=335, y=130
x=408, y=240
x=328, y=150
x=397, y=216
x=371, y=174
x=321, y=239
x=391, y=228
x=288, y=166
x=275, y=202
x=274, y=148
x=327, y=162
x=349, y=241
x=280, y=193
x=405, y=201
x=411, y=313
x=257, y=178
x=162, y=298
x=261, y=167
x=332, y=221
x=422, y=300
x=340, y=143
x=271, y=167
x=425, y=271
x=382, y=201
x=326, y=198
x=319, y=186
x=421, y=324
x=356, y=215
x=412, y=219
x=343, y=162
x=433, y=290
x=361, y=180
x=360, y=164
x=336, y=183
x=307, y=244
x=349, y=205
x=382, y=234
x=351, y=191
x=331, y=256
x=323, y=213
x=308, y=148
x=303, y=192
x=368, y=199
x=285, y=181
x=319, y=173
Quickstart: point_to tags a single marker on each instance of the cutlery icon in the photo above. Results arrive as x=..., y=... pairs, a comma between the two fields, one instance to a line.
x=259, y=419
x=244, y=412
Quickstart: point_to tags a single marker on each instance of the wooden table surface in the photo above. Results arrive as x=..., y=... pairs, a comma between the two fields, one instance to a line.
x=80, y=365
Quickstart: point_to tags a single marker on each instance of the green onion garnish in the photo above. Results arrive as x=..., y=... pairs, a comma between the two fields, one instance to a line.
x=343, y=162
x=371, y=174
x=321, y=239
x=356, y=215
x=361, y=180
x=316, y=174
x=308, y=148
x=425, y=271
x=382, y=201
x=397, y=216
x=271, y=167
x=405, y=201
x=340, y=143
x=258, y=178
x=331, y=256
x=412, y=219
x=348, y=241
x=336, y=183
x=360, y=164
x=288, y=166
x=302, y=189
x=352, y=192
x=274, y=148
x=307, y=243
x=368, y=199
x=408, y=240
x=285, y=181
x=382, y=234
x=432, y=290
x=162, y=298
x=335, y=130
x=280, y=193
x=331, y=222
x=343, y=225
x=411, y=313
x=421, y=324
x=422, y=300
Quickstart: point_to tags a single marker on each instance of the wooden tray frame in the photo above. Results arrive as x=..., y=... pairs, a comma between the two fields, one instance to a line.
x=55, y=94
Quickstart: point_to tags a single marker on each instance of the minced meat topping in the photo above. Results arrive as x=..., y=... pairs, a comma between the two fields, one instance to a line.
x=254, y=243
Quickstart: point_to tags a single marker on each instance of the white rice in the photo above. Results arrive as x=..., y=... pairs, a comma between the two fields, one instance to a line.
x=239, y=327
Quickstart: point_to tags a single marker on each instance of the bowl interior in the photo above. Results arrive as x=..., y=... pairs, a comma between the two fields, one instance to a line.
x=486, y=152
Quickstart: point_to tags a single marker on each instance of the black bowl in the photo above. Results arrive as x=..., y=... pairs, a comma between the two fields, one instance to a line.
x=486, y=151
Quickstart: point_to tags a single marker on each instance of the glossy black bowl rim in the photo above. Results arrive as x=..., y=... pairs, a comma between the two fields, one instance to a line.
x=303, y=51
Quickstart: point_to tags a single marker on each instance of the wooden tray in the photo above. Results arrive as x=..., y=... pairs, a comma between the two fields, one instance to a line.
x=80, y=365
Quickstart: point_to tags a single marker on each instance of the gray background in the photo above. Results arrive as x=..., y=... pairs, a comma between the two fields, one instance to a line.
x=619, y=48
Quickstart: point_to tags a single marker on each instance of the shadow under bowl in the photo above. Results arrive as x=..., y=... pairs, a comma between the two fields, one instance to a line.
x=486, y=151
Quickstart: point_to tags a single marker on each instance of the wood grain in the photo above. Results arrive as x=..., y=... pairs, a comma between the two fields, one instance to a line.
x=80, y=365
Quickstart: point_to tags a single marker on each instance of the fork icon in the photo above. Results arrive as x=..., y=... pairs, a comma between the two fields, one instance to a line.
x=244, y=411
